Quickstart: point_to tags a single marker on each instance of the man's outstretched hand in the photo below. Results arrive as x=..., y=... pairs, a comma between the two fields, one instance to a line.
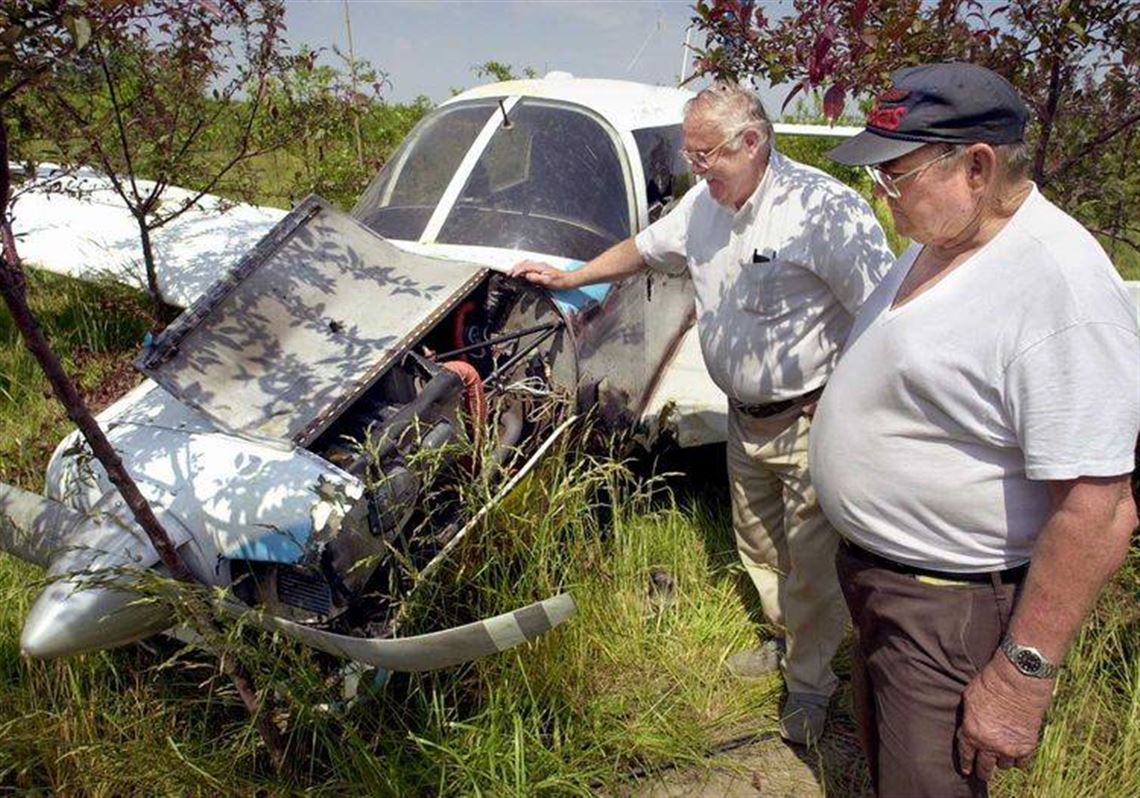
x=543, y=274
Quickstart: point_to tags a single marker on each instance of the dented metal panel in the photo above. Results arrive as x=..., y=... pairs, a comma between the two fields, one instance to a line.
x=306, y=322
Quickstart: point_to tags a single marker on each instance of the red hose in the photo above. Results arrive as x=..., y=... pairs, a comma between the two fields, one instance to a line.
x=474, y=402
x=459, y=325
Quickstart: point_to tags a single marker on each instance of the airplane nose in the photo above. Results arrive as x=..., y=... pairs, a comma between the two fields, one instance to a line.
x=71, y=617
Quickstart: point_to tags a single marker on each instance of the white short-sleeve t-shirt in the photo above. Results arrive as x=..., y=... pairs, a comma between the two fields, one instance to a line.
x=777, y=282
x=945, y=415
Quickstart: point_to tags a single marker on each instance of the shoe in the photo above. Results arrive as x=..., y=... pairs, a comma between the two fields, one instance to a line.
x=803, y=718
x=756, y=662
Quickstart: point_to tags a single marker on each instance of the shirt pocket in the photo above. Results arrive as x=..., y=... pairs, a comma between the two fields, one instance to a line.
x=771, y=289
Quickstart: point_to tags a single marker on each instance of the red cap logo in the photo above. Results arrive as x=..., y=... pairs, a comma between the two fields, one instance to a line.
x=887, y=118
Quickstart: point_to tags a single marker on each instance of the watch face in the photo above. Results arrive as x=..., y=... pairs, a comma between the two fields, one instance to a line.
x=1028, y=661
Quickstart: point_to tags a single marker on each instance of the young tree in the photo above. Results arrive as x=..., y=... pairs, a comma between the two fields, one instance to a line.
x=500, y=71
x=37, y=38
x=175, y=95
x=1076, y=64
x=342, y=148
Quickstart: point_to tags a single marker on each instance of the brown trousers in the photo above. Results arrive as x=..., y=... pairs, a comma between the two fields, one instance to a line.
x=917, y=646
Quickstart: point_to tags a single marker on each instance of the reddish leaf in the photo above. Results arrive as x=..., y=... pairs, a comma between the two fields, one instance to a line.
x=833, y=101
x=822, y=45
x=796, y=90
x=817, y=65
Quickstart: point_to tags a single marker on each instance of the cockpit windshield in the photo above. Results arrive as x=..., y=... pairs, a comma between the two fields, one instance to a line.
x=549, y=180
x=400, y=201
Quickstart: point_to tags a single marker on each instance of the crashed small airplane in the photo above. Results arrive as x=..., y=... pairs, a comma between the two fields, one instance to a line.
x=299, y=432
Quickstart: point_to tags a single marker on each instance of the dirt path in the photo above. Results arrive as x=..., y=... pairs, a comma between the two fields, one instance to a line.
x=769, y=767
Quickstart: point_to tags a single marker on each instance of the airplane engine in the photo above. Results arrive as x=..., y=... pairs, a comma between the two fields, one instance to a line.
x=321, y=428
x=467, y=402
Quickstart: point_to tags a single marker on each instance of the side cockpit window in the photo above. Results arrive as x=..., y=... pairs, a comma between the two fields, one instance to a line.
x=667, y=175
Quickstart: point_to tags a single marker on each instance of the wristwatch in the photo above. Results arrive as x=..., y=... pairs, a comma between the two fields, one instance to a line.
x=1029, y=660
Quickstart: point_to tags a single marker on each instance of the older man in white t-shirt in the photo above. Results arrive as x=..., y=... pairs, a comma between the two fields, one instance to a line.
x=781, y=257
x=974, y=444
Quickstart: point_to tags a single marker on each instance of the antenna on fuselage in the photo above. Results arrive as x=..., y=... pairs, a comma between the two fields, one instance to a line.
x=686, y=55
x=506, y=120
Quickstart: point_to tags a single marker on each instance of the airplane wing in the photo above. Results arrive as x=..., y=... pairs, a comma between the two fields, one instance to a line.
x=75, y=224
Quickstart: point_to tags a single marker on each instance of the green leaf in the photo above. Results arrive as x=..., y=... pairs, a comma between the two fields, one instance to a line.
x=80, y=30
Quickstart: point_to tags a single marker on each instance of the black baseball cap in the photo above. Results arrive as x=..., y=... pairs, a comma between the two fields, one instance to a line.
x=949, y=103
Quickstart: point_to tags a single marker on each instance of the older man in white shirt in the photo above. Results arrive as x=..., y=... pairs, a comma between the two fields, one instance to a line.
x=983, y=494
x=781, y=257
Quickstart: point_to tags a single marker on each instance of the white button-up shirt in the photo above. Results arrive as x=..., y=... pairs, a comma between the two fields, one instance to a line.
x=778, y=281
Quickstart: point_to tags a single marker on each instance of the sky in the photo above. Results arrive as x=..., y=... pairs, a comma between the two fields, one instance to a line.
x=430, y=46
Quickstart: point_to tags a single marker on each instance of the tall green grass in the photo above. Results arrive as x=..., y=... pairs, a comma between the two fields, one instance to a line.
x=95, y=329
x=633, y=683
x=1091, y=745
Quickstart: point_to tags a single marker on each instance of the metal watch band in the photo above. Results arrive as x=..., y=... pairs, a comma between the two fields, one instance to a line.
x=1029, y=660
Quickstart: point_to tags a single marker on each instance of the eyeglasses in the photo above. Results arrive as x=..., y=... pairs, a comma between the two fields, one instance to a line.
x=890, y=183
x=704, y=159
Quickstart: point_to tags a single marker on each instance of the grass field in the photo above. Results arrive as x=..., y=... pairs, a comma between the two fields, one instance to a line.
x=634, y=682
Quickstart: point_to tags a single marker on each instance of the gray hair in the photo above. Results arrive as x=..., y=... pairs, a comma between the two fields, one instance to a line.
x=1014, y=161
x=732, y=107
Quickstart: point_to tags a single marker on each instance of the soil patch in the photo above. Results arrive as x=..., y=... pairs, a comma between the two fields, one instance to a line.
x=117, y=376
x=769, y=767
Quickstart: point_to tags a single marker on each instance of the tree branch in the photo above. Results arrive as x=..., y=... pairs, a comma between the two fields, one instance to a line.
x=119, y=124
x=1048, y=116
x=1089, y=147
x=1116, y=235
x=243, y=154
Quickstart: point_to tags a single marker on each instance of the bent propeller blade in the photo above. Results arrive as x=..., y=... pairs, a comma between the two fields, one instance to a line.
x=34, y=527
x=434, y=650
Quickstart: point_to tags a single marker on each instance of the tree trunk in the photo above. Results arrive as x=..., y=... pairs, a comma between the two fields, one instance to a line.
x=13, y=286
x=158, y=305
x=1118, y=217
x=1047, y=118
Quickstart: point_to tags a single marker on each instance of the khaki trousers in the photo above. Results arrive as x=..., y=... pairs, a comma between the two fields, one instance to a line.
x=786, y=544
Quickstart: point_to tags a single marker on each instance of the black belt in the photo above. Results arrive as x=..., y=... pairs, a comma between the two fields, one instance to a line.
x=1009, y=576
x=775, y=408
